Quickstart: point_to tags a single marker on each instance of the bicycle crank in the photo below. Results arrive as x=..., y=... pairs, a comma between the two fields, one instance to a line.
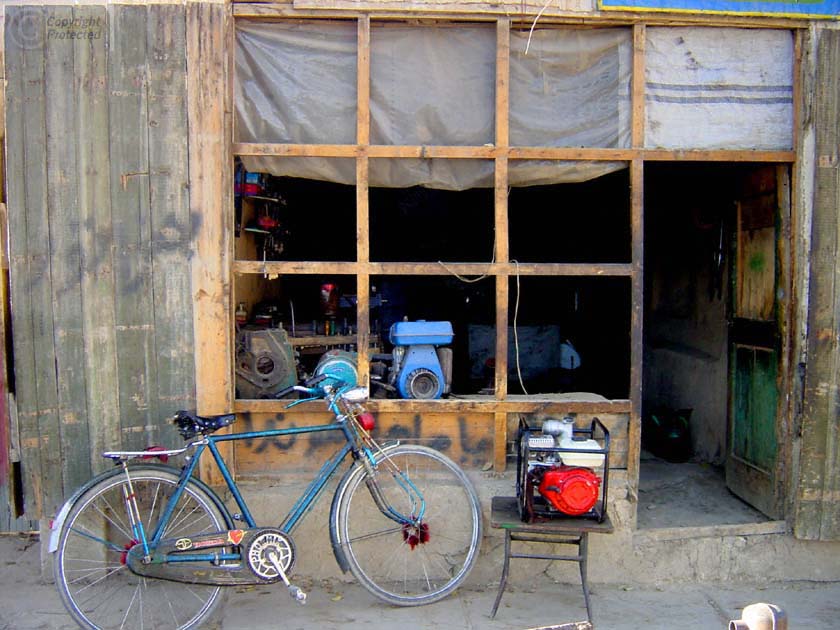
x=271, y=555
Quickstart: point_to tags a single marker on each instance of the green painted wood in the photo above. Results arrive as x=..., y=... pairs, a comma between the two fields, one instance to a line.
x=65, y=260
x=40, y=276
x=23, y=339
x=130, y=203
x=817, y=508
x=96, y=239
x=755, y=403
x=170, y=214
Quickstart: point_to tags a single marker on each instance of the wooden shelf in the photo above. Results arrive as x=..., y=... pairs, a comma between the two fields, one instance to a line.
x=476, y=404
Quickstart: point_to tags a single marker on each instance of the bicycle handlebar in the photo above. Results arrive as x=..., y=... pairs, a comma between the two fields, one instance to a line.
x=308, y=387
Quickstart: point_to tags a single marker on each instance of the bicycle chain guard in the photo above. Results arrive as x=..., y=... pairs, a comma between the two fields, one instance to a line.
x=221, y=573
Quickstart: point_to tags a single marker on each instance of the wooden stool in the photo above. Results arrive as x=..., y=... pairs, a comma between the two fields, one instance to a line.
x=504, y=515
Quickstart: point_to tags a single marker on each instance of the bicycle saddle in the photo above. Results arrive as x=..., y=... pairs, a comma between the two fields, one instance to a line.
x=191, y=424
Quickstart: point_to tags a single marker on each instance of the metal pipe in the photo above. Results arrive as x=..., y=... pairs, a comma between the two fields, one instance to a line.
x=760, y=617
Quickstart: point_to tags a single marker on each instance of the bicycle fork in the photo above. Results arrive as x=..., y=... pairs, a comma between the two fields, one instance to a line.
x=417, y=503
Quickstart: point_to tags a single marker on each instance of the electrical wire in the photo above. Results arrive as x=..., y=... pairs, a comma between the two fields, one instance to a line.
x=516, y=332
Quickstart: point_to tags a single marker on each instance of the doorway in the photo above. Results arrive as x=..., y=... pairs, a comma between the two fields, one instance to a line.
x=710, y=448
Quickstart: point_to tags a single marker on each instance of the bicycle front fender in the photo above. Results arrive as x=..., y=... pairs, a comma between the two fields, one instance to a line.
x=61, y=516
x=337, y=545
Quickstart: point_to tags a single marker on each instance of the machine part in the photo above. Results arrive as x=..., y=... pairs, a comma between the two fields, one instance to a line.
x=420, y=369
x=420, y=375
x=551, y=481
x=265, y=362
x=571, y=490
x=564, y=428
x=338, y=365
x=445, y=357
x=422, y=384
x=271, y=555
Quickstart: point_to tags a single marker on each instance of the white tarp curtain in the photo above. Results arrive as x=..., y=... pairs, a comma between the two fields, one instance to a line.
x=719, y=88
x=296, y=83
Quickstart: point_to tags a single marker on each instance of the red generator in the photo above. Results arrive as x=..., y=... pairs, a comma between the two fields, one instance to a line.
x=562, y=471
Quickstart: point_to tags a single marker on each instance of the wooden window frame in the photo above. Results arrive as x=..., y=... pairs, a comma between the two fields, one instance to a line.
x=502, y=269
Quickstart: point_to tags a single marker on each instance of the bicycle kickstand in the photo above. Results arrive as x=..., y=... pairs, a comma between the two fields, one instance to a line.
x=296, y=592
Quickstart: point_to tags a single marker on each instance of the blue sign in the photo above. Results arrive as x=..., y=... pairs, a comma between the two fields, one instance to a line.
x=769, y=8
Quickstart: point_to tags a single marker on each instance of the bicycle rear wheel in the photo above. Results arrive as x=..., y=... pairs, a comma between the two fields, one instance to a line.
x=95, y=583
x=410, y=564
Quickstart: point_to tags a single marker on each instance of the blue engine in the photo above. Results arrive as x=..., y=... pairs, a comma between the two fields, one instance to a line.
x=421, y=368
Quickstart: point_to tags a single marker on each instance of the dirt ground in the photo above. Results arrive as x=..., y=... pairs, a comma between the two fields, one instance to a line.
x=27, y=603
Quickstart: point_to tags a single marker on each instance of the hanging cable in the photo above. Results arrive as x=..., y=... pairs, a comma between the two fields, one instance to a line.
x=516, y=332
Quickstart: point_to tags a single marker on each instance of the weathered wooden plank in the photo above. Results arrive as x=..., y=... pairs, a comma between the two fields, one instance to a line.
x=817, y=510
x=65, y=260
x=514, y=153
x=130, y=213
x=638, y=86
x=96, y=239
x=502, y=240
x=40, y=277
x=562, y=403
x=465, y=437
x=210, y=202
x=434, y=268
x=170, y=215
x=363, y=277
x=23, y=343
x=636, y=315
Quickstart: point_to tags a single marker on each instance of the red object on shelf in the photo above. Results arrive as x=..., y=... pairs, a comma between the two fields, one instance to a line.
x=570, y=489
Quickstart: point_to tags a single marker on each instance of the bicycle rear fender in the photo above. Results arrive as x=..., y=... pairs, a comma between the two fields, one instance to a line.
x=58, y=522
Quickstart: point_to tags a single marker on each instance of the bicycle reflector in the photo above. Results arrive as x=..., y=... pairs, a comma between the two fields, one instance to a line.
x=366, y=421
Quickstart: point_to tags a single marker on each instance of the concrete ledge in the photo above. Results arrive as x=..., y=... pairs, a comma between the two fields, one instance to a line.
x=663, y=534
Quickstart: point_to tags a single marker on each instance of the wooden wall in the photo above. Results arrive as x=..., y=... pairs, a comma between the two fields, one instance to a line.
x=817, y=509
x=100, y=235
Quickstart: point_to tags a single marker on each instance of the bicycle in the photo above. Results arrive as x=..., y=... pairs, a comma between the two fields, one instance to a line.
x=151, y=546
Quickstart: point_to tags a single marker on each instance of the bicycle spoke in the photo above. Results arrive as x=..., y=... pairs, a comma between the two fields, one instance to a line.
x=95, y=582
x=120, y=526
x=100, y=593
x=421, y=563
x=152, y=508
x=129, y=607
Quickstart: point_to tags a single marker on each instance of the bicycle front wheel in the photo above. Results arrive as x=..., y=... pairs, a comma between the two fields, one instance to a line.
x=410, y=564
x=94, y=581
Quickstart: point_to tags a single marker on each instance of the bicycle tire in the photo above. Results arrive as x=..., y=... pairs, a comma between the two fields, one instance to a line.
x=402, y=565
x=96, y=586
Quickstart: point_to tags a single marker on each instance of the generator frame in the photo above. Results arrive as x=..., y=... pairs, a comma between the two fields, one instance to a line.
x=532, y=507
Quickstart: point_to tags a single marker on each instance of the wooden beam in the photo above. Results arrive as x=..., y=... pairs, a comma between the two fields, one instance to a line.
x=363, y=199
x=636, y=323
x=488, y=11
x=480, y=404
x=434, y=268
x=502, y=245
x=210, y=204
x=638, y=94
x=363, y=81
x=718, y=155
x=513, y=153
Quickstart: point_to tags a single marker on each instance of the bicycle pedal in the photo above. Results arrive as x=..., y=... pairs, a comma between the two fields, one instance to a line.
x=297, y=594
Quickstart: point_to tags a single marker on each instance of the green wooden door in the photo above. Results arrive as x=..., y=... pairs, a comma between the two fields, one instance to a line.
x=753, y=462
